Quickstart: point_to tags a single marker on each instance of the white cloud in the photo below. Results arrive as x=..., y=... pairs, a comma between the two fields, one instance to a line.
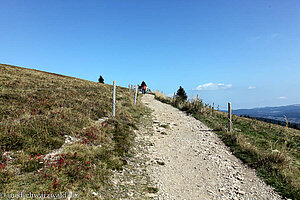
x=251, y=87
x=274, y=35
x=213, y=86
x=282, y=97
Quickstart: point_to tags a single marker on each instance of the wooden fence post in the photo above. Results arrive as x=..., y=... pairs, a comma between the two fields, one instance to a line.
x=174, y=96
x=135, y=96
x=114, y=100
x=229, y=117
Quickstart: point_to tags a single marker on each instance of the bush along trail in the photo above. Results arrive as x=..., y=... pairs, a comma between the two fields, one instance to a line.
x=189, y=161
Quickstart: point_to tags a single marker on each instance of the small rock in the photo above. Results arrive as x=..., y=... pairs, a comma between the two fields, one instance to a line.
x=275, y=151
x=209, y=191
x=241, y=192
x=151, y=195
x=160, y=162
x=240, y=178
x=236, y=129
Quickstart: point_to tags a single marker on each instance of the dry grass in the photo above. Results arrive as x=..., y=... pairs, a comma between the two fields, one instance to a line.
x=273, y=150
x=38, y=109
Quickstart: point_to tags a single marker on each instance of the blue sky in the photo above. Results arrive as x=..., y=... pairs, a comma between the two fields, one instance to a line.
x=246, y=52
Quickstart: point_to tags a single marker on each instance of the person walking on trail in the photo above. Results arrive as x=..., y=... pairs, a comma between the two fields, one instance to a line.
x=144, y=87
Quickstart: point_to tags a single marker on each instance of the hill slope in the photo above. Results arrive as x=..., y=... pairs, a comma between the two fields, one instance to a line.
x=41, y=112
x=292, y=112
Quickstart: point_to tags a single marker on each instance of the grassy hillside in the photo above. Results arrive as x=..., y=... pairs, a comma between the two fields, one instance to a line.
x=39, y=110
x=271, y=149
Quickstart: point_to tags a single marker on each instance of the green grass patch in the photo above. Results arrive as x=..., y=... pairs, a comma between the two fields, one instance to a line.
x=152, y=189
x=38, y=110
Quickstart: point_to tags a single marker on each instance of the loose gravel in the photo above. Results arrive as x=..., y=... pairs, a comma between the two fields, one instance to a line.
x=187, y=160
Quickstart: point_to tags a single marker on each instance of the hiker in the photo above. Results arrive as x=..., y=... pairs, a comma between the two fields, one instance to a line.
x=144, y=89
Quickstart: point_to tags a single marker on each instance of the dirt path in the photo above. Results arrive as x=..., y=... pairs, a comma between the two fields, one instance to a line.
x=189, y=161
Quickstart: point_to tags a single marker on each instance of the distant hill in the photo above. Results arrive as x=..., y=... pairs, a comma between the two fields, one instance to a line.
x=292, y=112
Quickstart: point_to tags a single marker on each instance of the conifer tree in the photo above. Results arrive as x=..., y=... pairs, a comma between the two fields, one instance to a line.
x=181, y=94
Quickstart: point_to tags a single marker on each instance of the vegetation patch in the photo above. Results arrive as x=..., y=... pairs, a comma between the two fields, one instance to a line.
x=39, y=111
x=152, y=189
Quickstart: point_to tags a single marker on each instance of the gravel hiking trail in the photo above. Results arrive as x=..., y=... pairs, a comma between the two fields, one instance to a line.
x=189, y=161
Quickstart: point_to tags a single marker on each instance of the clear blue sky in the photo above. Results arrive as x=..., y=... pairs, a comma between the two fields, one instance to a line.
x=246, y=52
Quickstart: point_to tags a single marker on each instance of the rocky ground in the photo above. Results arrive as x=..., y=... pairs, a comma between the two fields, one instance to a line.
x=186, y=160
x=133, y=181
x=175, y=156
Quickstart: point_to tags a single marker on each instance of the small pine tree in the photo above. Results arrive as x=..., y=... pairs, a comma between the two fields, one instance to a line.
x=181, y=94
x=101, y=79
